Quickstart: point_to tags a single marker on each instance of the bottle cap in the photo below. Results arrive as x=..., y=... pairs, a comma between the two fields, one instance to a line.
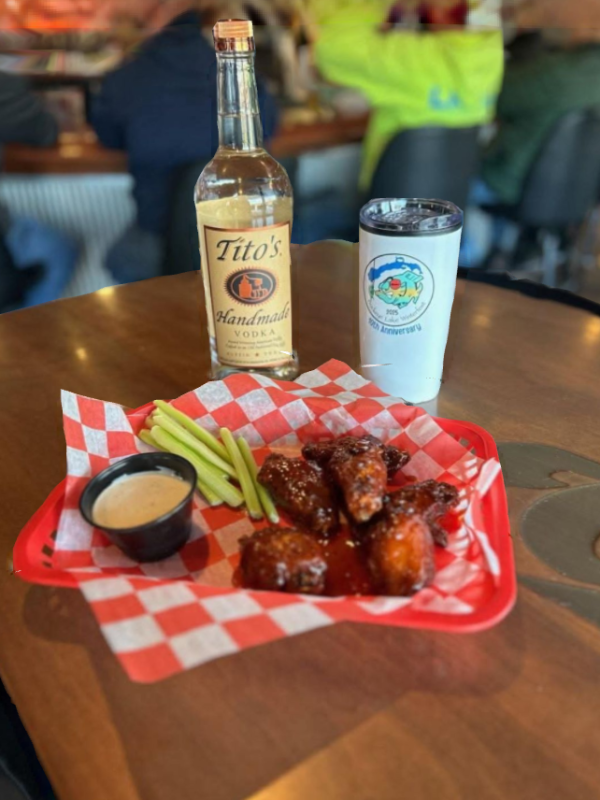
x=234, y=36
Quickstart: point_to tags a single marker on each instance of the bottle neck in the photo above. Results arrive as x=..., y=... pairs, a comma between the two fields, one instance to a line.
x=240, y=127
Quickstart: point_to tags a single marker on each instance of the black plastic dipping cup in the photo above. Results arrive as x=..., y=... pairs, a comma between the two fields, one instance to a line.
x=161, y=537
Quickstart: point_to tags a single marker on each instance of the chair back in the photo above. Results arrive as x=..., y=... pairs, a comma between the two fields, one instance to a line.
x=14, y=282
x=562, y=184
x=182, y=253
x=429, y=162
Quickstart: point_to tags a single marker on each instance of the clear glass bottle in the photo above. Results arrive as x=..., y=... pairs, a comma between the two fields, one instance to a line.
x=244, y=209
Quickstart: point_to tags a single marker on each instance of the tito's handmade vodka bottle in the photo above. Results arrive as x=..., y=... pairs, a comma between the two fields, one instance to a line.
x=244, y=207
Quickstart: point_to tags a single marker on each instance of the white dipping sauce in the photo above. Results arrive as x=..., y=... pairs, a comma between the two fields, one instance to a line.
x=136, y=499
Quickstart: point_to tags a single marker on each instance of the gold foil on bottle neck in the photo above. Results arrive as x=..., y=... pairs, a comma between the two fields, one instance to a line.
x=234, y=36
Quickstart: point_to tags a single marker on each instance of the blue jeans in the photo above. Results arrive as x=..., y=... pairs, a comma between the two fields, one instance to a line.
x=30, y=243
x=482, y=232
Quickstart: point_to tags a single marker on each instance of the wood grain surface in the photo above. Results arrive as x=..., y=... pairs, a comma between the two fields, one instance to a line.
x=353, y=712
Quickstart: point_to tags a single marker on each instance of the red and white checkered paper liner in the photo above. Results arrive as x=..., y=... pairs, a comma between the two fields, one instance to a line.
x=163, y=618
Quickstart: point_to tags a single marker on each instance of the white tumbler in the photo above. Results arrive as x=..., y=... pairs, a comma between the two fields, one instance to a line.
x=408, y=264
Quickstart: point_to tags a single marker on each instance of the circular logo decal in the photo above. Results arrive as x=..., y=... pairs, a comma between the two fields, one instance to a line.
x=398, y=289
x=251, y=286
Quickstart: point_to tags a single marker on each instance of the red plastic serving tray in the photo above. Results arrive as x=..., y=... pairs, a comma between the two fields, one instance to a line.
x=34, y=550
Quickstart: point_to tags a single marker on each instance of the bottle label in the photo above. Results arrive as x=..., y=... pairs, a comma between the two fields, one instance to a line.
x=249, y=272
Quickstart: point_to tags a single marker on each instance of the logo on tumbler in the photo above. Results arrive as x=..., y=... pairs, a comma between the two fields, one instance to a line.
x=398, y=289
x=251, y=286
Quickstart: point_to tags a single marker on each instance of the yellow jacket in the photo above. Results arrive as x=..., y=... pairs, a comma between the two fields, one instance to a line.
x=411, y=79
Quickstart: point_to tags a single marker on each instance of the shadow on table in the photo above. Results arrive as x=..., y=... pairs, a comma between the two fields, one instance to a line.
x=209, y=727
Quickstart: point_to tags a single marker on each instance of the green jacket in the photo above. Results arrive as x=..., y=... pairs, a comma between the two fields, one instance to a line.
x=412, y=80
x=537, y=91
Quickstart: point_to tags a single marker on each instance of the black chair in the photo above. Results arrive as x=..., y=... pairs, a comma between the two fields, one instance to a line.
x=584, y=255
x=14, y=282
x=561, y=187
x=429, y=162
x=182, y=250
x=21, y=774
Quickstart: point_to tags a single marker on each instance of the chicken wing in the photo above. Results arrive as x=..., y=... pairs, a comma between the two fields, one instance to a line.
x=362, y=479
x=430, y=500
x=283, y=560
x=322, y=452
x=301, y=490
x=394, y=459
x=400, y=553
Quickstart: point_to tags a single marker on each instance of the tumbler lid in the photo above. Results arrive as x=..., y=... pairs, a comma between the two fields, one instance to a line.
x=410, y=217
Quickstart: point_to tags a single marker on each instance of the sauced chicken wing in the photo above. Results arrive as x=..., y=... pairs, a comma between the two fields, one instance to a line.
x=300, y=489
x=400, y=553
x=394, y=459
x=283, y=560
x=362, y=479
x=430, y=500
x=322, y=452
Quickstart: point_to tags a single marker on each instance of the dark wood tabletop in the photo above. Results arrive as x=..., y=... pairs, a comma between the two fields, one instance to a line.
x=350, y=712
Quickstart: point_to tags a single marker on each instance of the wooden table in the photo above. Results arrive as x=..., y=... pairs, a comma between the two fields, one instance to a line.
x=345, y=713
x=79, y=152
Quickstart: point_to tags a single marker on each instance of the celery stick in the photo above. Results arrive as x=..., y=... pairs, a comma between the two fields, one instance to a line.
x=210, y=467
x=146, y=437
x=169, y=423
x=194, y=444
x=212, y=498
x=246, y=482
x=190, y=454
x=204, y=436
x=263, y=493
x=225, y=491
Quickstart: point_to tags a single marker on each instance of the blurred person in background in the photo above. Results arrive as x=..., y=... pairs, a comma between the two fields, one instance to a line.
x=161, y=107
x=44, y=257
x=552, y=75
x=279, y=26
x=577, y=19
x=418, y=64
